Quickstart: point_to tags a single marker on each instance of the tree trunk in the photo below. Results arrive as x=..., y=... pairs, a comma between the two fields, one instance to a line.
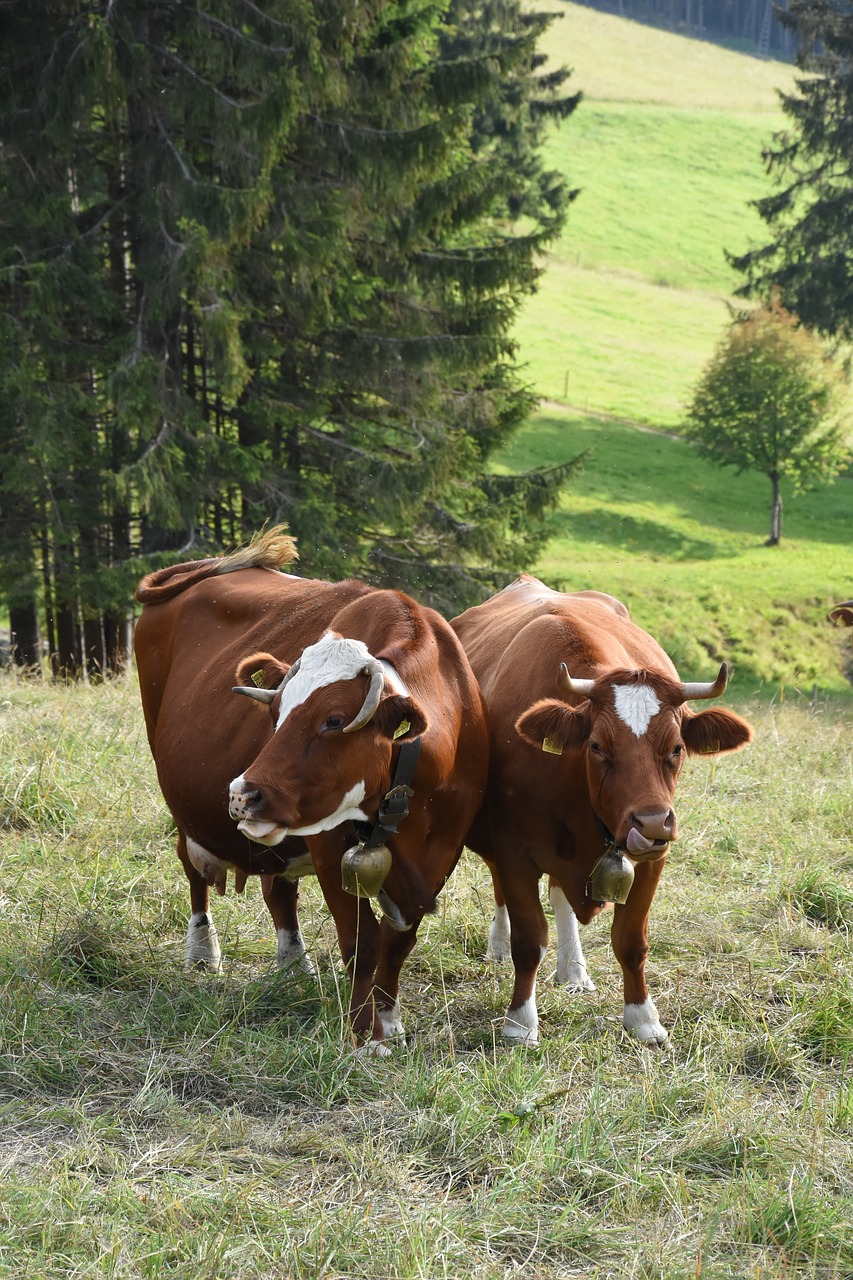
x=775, y=512
x=24, y=627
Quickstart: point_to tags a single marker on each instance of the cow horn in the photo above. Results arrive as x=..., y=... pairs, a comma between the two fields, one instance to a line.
x=374, y=693
x=267, y=695
x=565, y=681
x=291, y=672
x=260, y=695
x=712, y=690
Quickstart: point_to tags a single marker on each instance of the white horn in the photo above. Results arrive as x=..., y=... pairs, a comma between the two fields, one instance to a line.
x=708, y=690
x=371, y=702
x=250, y=691
x=581, y=687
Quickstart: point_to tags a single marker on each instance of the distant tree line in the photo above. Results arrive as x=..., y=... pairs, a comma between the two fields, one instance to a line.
x=260, y=262
x=751, y=22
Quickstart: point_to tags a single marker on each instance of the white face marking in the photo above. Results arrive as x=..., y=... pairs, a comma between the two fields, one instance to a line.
x=331, y=659
x=636, y=704
x=347, y=811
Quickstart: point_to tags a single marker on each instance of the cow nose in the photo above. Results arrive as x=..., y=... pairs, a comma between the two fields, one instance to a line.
x=659, y=825
x=244, y=800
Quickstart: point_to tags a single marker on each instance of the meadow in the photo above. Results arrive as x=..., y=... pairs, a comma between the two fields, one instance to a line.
x=665, y=150
x=162, y=1125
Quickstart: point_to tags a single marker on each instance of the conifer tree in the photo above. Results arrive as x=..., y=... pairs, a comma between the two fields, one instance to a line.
x=808, y=263
x=260, y=263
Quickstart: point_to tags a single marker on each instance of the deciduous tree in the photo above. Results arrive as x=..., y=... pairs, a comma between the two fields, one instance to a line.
x=770, y=401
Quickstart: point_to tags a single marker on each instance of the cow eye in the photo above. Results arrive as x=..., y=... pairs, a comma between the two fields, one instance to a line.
x=596, y=750
x=677, y=752
x=331, y=723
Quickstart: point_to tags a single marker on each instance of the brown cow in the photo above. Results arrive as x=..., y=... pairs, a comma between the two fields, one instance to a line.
x=578, y=778
x=842, y=614
x=256, y=789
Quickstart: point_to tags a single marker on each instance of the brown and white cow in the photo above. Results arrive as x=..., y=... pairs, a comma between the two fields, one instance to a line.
x=842, y=614
x=588, y=732
x=346, y=675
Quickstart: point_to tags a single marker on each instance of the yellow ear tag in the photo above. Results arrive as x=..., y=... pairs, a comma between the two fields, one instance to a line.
x=553, y=748
x=403, y=727
x=257, y=679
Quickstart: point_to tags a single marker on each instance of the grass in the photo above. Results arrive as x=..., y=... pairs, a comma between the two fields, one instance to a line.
x=666, y=151
x=158, y=1125
x=682, y=543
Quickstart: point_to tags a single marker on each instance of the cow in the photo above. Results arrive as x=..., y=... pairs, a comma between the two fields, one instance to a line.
x=588, y=733
x=842, y=614
x=359, y=731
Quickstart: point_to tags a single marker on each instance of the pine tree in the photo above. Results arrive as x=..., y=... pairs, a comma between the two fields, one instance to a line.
x=260, y=264
x=809, y=262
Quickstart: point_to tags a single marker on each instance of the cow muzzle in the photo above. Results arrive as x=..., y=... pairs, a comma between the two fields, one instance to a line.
x=243, y=804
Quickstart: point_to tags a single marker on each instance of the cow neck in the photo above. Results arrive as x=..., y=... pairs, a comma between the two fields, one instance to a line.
x=606, y=834
x=394, y=807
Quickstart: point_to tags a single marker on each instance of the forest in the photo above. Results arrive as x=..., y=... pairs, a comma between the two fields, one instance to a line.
x=261, y=264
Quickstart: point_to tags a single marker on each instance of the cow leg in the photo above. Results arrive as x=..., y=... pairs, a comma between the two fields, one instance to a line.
x=529, y=938
x=629, y=937
x=359, y=940
x=571, y=965
x=498, y=950
x=395, y=946
x=281, y=897
x=202, y=940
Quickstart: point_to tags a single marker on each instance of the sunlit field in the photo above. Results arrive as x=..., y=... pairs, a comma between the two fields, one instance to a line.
x=156, y=1124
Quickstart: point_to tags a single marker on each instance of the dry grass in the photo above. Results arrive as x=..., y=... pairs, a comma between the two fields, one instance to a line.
x=155, y=1125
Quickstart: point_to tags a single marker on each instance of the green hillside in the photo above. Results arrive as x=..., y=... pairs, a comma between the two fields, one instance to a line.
x=666, y=151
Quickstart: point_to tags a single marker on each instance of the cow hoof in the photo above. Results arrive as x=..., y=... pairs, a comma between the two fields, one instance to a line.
x=291, y=953
x=574, y=976
x=373, y=1049
x=202, y=953
x=641, y=1021
x=392, y=1025
x=522, y=1025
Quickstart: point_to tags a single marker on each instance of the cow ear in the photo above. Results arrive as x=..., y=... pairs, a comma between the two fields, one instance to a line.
x=711, y=732
x=399, y=719
x=261, y=670
x=552, y=726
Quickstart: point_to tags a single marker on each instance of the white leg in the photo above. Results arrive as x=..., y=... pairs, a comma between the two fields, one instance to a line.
x=571, y=965
x=202, y=943
x=498, y=950
x=290, y=951
x=392, y=1023
x=522, y=1024
x=642, y=1022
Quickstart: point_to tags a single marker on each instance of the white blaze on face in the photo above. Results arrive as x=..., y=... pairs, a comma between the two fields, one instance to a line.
x=636, y=704
x=331, y=659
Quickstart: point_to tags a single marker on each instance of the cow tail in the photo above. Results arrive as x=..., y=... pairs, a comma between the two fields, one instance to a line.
x=270, y=549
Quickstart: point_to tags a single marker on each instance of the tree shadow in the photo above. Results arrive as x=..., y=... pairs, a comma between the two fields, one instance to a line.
x=635, y=535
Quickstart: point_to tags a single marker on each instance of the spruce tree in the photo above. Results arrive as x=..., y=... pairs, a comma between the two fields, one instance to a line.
x=263, y=263
x=808, y=263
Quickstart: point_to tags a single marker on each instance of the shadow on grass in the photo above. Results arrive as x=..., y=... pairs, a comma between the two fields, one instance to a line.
x=635, y=535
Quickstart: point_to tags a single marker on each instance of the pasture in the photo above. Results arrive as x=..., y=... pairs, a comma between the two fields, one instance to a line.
x=159, y=1125
x=666, y=151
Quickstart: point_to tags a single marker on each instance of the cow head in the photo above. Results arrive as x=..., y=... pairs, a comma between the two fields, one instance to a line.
x=336, y=713
x=634, y=731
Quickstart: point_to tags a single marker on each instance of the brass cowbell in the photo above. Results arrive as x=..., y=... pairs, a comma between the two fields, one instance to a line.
x=612, y=877
x=363, y=871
